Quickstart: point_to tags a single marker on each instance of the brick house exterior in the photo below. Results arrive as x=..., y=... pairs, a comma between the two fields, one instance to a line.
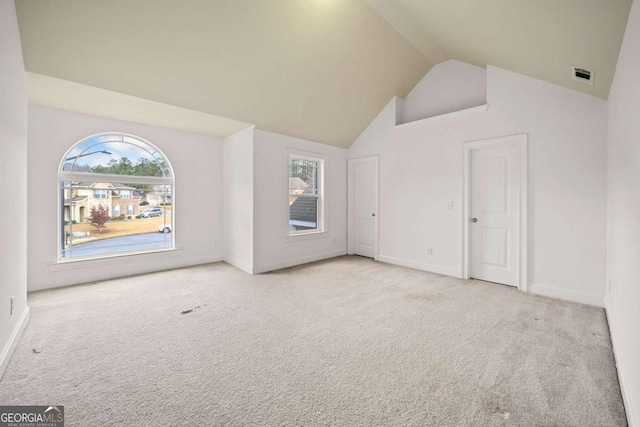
x=119, y=199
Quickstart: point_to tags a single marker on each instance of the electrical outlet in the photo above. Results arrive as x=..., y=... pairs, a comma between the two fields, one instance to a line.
x=11, y=308
x=450, y=205
x=429, y=251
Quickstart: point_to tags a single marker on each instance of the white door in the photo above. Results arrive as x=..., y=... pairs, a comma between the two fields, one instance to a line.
x=364, y=177
x=495, y=214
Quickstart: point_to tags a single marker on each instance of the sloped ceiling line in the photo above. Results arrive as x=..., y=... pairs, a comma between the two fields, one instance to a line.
x=314, y=69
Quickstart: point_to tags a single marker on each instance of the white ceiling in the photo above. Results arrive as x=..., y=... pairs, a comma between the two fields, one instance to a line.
x=66, y=95
x=315, y=69
x=537, y=38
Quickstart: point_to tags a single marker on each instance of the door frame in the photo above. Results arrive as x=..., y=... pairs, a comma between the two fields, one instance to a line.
x=520, y=141
x=351, y=202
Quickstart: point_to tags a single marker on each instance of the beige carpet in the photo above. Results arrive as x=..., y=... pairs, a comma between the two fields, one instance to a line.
x=345, y=342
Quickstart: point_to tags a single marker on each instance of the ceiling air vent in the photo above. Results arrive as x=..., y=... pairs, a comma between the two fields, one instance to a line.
x=582, y=75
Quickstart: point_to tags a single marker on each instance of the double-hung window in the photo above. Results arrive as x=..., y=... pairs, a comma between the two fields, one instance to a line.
x=306, y=195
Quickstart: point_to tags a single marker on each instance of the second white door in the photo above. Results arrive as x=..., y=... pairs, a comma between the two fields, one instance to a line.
x=365, y=201
x=495, y=213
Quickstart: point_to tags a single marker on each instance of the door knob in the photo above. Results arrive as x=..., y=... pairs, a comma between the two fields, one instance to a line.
x=474, y=219
x=373, y=214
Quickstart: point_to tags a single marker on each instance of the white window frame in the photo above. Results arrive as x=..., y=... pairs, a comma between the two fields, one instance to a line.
x=322, y=204
x=109, y=178
x=102, y=192
x=124, y=194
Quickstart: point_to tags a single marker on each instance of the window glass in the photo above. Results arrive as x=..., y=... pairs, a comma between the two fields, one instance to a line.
x=99, y=194
x=305, y=196
x=116, y=155
x=99, y=173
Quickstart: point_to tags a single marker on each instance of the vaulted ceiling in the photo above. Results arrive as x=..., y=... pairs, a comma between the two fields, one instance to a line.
x=315, y=69
x=539, y=38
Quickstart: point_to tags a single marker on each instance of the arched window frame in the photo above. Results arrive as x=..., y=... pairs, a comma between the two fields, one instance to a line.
x=65, y=176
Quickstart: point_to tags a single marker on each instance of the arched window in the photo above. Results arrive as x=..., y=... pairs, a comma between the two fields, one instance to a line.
x=116, y=197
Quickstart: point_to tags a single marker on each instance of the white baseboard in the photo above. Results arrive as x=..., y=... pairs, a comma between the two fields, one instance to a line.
x=632, y=413
x=298, y=261
x=204, y=260
x=432, y=268
x=10, y=346
x=567, y=294
x=168, y=260
x=247, y=268
x=113, y=259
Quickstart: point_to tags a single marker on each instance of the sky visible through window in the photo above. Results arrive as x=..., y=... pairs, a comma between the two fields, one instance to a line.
x=116, y=196
x=116, y=154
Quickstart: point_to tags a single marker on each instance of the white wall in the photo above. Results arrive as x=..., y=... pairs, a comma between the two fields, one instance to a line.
x=378, y=133
x=623, y=299
x=217, y=182
x=13, y=184
x=421, y=170
x=567, y=182
x=197, y=163
x=237, y=200
x=272, y=248
x=449, y=86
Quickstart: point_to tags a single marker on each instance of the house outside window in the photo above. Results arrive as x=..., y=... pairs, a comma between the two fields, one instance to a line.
x=95, y=175
x=306, y=198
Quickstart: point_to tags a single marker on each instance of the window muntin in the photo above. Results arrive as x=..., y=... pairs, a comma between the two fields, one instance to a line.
x=305, y=195
x=96, y=176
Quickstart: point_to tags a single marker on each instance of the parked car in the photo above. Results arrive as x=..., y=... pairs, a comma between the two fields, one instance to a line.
x=164, y=228
x=147, y=213
x=144, y=203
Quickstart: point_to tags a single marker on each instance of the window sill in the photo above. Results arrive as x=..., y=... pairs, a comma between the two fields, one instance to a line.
x=118, y=258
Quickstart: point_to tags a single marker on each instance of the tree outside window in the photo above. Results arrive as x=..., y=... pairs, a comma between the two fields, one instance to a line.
x=96, y=175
